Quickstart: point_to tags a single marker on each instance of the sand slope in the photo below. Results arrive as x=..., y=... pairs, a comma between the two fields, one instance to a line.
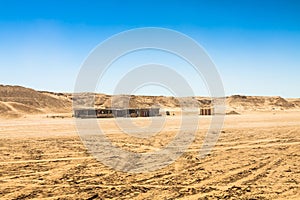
x=16, y=101
x=261, y=103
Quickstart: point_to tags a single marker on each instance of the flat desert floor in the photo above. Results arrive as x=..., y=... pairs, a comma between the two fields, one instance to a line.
x=257, y=156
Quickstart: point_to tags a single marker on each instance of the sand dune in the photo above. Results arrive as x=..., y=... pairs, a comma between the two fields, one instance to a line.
x=261, y=103
x=17, y=101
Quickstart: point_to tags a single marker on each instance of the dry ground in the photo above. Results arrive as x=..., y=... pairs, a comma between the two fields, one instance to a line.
x=257, y=157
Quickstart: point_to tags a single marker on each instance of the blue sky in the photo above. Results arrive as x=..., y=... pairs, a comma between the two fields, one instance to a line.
x=254, y=44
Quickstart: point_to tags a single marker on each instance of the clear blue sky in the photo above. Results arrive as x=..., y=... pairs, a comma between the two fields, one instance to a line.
x=254, y=44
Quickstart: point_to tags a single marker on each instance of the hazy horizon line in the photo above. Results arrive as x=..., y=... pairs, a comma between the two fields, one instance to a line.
x=150, y=95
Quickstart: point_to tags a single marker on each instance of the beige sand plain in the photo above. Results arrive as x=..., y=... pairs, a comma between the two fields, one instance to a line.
x=257, y=157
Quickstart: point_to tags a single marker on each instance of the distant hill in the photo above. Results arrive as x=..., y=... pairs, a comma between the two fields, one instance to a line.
x=236, y=103
x=260, y=103
x=17, y=101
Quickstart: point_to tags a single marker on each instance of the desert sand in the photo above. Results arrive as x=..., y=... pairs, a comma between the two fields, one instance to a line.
x=256, y=157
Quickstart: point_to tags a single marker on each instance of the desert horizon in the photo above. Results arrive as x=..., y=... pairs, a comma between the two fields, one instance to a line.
x=18, y=101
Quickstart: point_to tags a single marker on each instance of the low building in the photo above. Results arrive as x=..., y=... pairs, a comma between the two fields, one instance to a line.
x=207, y=111
x=85, y=113
x=115, y=112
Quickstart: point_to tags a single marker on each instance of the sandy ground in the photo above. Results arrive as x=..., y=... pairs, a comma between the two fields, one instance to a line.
x=257, y=157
